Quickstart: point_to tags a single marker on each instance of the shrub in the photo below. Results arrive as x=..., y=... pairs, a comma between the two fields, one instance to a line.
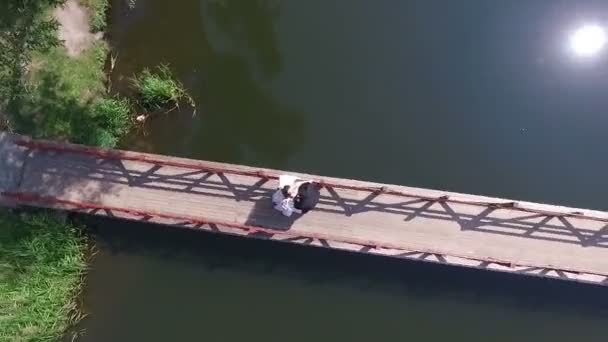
x=158, y=89
x=98, y=9
x=66, y=99
x=112, y=114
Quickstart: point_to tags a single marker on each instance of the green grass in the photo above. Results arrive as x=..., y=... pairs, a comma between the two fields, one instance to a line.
x=48, y=95
x=41, y=266
x=111, y=118
x=81, y=76
x=158, y=89
x=97, y=10
x=66, y=99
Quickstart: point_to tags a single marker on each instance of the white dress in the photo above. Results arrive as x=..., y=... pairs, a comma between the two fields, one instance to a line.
x=282, y=204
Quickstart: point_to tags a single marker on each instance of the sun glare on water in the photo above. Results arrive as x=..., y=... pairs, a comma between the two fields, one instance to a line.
x=588, y=40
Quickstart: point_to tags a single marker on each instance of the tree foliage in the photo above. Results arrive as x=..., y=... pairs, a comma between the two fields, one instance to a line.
x=48, y=93
x=25, y=27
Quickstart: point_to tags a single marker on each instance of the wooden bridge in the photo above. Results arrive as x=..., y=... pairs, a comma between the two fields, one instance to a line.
x=395, y=221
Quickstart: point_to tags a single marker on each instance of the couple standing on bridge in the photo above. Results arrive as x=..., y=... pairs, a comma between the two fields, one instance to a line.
x=295, y=195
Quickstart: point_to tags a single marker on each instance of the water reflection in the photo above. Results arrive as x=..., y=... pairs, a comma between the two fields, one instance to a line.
x=239, y=120
x=260, y=130
x=244, y=119
x=468, y=96
x=588, y=40
x=153, y=283
x=250, y=25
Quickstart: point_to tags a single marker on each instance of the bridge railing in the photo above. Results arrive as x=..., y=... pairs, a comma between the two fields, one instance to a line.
x=273, y=175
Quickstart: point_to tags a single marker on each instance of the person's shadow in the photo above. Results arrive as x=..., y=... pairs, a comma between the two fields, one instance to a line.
x=264, y=215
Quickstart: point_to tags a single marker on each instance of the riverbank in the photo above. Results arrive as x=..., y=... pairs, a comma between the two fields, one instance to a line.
x=53, y=85
x=65, y=95
x=42, y=262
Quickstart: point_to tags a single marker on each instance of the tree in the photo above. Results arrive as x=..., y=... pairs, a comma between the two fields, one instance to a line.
x=25, y=27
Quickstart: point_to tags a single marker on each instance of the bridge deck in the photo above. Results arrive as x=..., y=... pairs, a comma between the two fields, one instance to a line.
x=504, y=239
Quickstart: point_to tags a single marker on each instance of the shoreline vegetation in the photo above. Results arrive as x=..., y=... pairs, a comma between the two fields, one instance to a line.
x=42, y=263
x=157, y=90
x=49, y=92
x=44, y=92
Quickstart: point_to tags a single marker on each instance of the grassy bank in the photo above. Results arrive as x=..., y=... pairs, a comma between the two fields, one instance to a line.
x=97, y=9
x=66, y=99
x=46, y=93
x=41, y=265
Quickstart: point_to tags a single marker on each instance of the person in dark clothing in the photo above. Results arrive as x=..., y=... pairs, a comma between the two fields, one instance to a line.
x=307, y=197
x=295, y=195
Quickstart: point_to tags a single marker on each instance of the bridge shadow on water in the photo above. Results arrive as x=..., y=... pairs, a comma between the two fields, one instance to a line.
x=344, y=270
x=175, y=280
x=109, y=172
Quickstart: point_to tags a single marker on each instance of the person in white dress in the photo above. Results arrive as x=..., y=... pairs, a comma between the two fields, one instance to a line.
x=295, y=195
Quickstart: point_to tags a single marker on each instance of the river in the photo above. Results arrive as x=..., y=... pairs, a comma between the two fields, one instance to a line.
x=472, y=96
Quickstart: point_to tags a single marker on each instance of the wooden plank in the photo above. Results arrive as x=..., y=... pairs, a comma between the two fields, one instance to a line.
x=453, y=233
x=414, y=192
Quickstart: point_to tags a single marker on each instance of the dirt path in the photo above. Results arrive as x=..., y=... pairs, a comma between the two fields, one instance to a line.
x=74, y=27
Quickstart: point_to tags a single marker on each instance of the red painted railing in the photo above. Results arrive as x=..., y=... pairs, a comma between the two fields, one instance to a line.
x=32, y=198
x=48, y=201
x=266, y=174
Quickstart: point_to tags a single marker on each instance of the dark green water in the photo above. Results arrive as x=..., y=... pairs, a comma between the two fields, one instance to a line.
x=472, y=96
